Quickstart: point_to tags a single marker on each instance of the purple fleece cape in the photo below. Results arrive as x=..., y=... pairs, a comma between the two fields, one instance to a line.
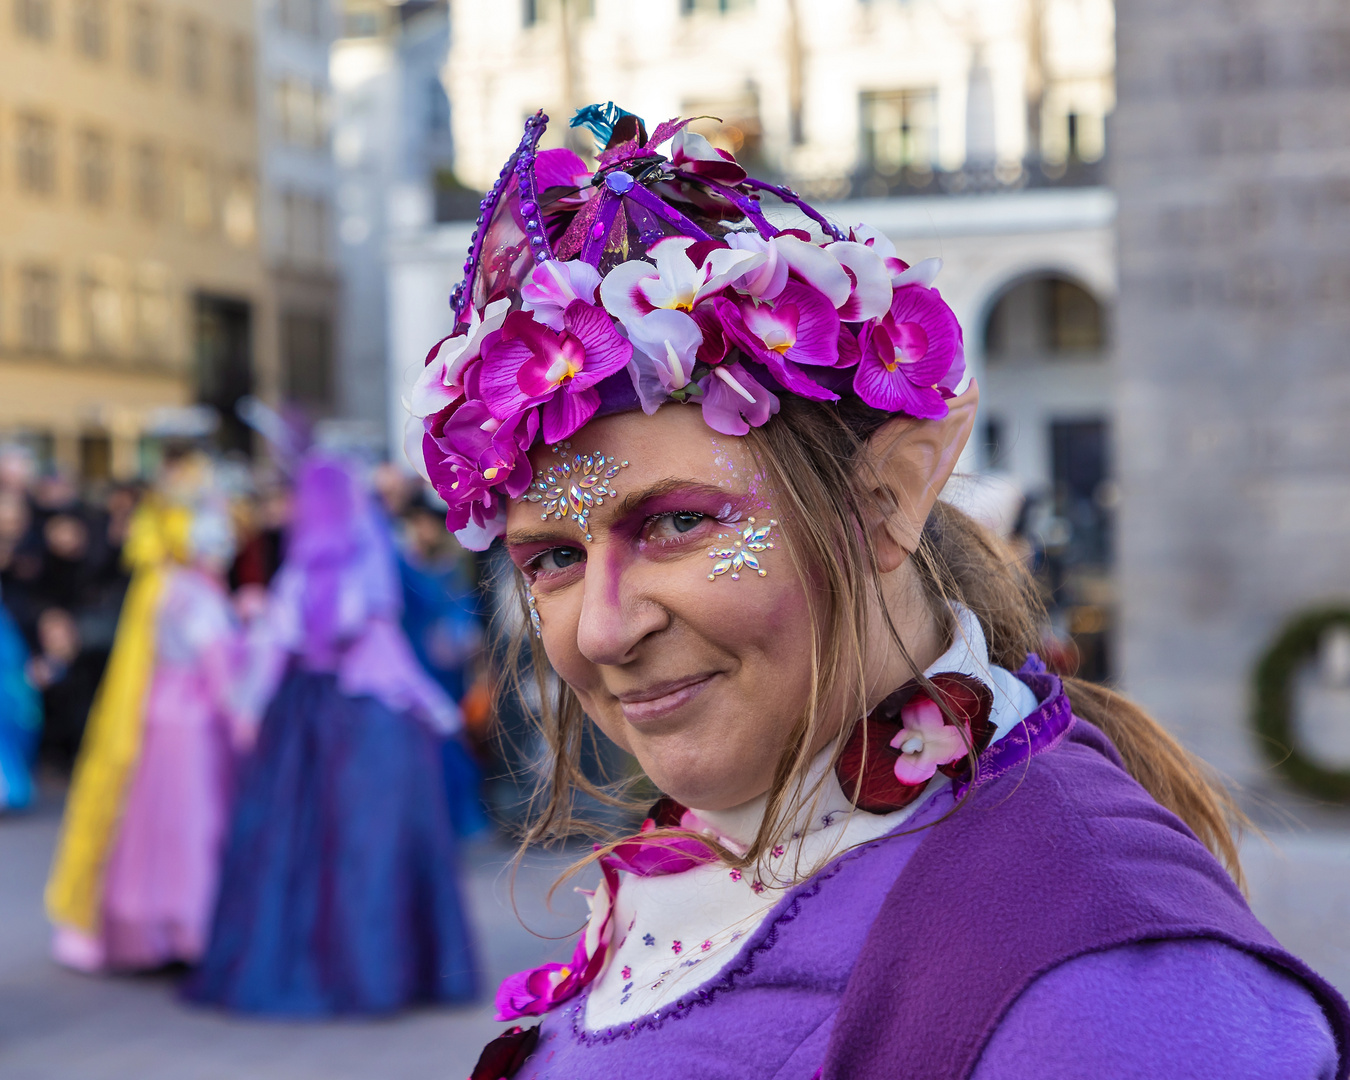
x=1065, y=857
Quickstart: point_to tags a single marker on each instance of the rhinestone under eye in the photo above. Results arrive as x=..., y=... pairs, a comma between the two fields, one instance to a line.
x=743, y=551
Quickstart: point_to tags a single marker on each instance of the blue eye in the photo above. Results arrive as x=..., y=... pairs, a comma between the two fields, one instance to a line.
x=684, y=520
x=559, y=558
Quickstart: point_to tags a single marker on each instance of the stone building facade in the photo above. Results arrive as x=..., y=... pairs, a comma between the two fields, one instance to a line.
x=1233, y=382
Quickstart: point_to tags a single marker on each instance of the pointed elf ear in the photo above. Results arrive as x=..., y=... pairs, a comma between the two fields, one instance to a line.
x=911, y=460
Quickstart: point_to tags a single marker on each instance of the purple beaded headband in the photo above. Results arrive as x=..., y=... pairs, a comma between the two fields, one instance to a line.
x=657, y=278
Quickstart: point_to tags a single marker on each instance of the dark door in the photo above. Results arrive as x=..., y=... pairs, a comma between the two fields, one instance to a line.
x=223, y=339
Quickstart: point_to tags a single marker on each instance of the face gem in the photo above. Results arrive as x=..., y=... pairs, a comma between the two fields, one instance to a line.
x=572, y=489
x=743, y=552
x=534, y=614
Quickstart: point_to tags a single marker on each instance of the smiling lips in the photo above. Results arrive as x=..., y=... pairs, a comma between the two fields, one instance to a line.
x=659, y=700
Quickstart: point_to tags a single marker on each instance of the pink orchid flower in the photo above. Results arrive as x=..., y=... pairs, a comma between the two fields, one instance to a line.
x=561, y=168
x=529, y=365
x=536, y=991
x=553, y=285
x=765, y=281
x=673, y=280
x=925, y=741
x=693, y=153
x=440, y=381
x=852, y=275
x=912, y=357
x=799, y=327
x=469, y=454
x=901, y=273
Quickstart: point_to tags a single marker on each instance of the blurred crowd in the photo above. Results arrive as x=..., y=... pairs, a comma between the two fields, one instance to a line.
x=63, y=579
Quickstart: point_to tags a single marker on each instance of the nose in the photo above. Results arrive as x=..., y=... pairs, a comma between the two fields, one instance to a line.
x=616, y=612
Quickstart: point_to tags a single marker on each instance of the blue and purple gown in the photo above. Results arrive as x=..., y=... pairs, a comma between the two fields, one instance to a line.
x=338, y=892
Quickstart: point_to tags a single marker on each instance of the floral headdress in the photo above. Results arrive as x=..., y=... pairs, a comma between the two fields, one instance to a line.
x=658, y=278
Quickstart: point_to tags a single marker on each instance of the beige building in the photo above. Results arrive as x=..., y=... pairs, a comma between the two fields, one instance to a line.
x=130, y=273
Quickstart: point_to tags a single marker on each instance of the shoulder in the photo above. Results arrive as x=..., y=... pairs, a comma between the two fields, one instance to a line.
x=1194, y=1008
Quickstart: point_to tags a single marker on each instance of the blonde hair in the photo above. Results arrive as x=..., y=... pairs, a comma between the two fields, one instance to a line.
x=813, y=454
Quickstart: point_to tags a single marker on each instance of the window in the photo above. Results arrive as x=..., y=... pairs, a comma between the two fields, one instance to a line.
x=198, y=211
x=438, y=106
x=899, y=130
x=33, y=19
x=306, y=346
x=305, y=220
x=38, y=313
x=301, y=110
x=194, y=58
x=148, y=180
x=143, y=43
x=304, y=17
x=101, y=311
x=239, y=214
x=240, y=74
x=688, y=7
x=1046, y=316
x=151, y=310
x=37, y=154
x=91, y=28
x=95, y=167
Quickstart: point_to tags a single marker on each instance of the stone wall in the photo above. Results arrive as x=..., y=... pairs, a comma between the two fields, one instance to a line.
x=1231, y=158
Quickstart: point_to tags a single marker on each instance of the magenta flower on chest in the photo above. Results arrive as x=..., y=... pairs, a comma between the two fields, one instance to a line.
x=913, y=356
x=531, y=364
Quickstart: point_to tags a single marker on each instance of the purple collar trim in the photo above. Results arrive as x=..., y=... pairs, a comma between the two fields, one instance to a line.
x=1043, y=730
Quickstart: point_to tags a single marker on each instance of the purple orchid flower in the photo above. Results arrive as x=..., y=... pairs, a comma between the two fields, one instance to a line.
x=734, y=401
x=529, y=364
x=912, y=355
x=901, y=273
x=799, y=327
x=694, y=154
x=553, y=285
x=470, y=454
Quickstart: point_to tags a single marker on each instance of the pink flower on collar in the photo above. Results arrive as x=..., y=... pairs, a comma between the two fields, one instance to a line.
x=529, y=364
x=925, y=741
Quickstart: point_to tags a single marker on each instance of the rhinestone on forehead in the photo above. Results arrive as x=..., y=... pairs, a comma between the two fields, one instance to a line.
x=572, y=489
x=743, y=552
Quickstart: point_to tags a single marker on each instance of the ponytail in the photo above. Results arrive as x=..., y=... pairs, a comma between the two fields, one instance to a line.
x=961, y=561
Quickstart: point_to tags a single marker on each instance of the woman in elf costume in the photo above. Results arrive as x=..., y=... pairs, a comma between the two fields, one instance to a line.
x=712, y=427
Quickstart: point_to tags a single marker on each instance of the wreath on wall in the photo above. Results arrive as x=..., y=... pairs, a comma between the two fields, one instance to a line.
x=1272, y=705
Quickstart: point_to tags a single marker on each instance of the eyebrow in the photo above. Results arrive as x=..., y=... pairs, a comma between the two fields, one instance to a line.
x=630, y=504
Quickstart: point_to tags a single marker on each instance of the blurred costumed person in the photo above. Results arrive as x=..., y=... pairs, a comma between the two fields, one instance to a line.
x=440, y=617
x=20, y=717
x=338, y=890
x=157, y=539
x=160, y=886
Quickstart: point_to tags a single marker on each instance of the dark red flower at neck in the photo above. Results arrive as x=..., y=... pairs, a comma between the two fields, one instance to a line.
x=866, y=769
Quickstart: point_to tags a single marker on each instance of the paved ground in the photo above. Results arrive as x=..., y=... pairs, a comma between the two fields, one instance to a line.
x=55, y=1025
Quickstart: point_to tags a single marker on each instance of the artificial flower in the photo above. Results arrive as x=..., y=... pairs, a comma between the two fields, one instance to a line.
x=910, y=355
x=694, y=154
x=734, y=401
x=553, y=285
x=439, y=382
x=670, y=340
x=765, y=281
x=529, y=365
x=504, y=1056
x=901, y=273
x=925, y=741
x=536, y=991
x=674, y=280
